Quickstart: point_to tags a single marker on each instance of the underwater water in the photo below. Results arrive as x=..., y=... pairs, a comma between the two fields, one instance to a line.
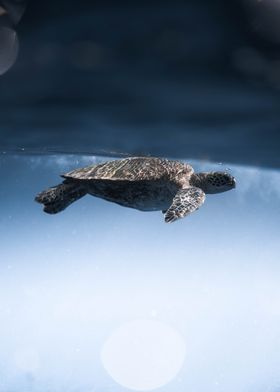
x=106, y=298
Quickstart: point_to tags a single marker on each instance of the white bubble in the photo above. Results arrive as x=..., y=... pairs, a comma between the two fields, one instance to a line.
x=143, y=355
x=2, y=11
x=8, y=48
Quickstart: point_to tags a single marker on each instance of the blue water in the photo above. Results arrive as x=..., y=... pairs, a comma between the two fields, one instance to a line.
x=70, y=282
x=105, y=298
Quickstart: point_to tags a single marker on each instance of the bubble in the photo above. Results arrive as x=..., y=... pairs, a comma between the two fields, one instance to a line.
x=2, y=11
x=8, y=48
x=143, y=355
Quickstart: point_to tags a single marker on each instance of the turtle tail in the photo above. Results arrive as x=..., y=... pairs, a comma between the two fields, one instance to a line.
x=59, y=197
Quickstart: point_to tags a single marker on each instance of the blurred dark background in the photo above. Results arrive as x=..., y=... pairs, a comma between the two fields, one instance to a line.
x=193, y=79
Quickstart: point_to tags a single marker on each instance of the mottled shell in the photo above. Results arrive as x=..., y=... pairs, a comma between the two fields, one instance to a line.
x=134, y=169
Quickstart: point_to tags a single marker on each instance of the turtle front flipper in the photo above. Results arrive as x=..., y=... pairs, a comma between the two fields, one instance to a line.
x=185, y=202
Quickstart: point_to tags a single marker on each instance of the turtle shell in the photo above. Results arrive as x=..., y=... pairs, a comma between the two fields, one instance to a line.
x=132, y=169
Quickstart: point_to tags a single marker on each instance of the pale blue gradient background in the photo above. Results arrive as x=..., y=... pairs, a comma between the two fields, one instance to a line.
x=68, y=281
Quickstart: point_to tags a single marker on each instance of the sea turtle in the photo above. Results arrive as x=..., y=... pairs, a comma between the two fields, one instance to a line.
x=145, y=183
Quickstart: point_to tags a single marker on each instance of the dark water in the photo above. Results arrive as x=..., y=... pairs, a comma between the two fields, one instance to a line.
x=181, y=79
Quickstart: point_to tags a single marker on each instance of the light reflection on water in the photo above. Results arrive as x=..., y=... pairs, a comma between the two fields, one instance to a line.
x=67, y=282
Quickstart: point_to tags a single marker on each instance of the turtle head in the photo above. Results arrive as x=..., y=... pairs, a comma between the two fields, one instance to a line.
x=213, y=182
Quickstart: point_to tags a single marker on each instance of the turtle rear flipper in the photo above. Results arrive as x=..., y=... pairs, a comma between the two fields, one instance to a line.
x=58, y=198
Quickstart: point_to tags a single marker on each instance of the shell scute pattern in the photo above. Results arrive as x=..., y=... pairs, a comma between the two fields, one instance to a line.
x=134, y=169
